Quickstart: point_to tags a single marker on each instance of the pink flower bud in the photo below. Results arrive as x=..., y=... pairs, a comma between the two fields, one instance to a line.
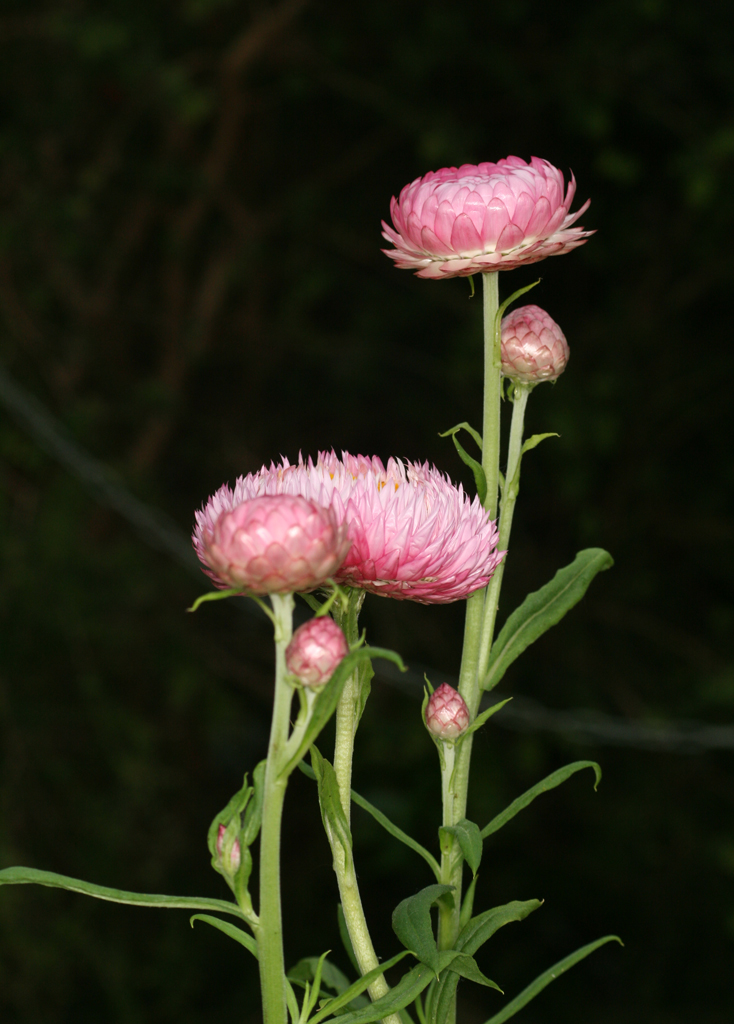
x=275, y=543
x=229, y=853
x=315, y=651
x=534, y=348
x=447, y=715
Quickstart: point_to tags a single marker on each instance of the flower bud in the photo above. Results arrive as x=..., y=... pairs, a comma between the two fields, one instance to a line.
x=534, y=348
x=447, y=715
x=315, y=650
x=228, y=849
x=276, y=543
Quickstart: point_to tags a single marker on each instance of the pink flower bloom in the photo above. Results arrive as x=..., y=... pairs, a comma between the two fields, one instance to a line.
x=534, y=347
x=315, y=650
x=478, y=218
x=415, y=536
x=230, y=855
x=447, y=715
x=271, y=544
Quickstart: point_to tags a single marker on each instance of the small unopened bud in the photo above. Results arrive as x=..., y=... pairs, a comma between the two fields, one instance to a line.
x=447, y=715
x=534, y=347
x=229, y=852
x=315, y=650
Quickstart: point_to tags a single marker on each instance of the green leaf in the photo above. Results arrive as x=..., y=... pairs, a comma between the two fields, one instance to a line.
x=543, y=609
x=325, y=704
x=481, y=719
x=24, y=876
x=231, y=930
x=388, y=825
x=546, y=784
x=469, y=839
x=534, y=441
x=411, y=922
x=547, y=977
x=465, y=966
x=216, y=595
x=480, y=478
x=406, y=991
x=332, y=812
x=515, y=295
x=483, y=926
x=470, y=939
x=331, y=976
x=254, y=810
x=355, y=990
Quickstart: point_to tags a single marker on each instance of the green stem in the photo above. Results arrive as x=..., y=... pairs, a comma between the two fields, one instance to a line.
x=269, y=930
x=347, y=719
x=507, y=510
x=455, y=780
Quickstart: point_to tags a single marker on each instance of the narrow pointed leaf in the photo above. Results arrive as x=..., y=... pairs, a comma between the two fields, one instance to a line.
x=401, y=995
x=480, y=479
x=481, y=719
x=534, y=441
x=332, y=812
x=331, y=976
x=356, y=989
x=411, y=922
x=470, y=939
x=469, y=838
x=244, y=938
x=465, y=966
x=513, y=297
x=543, y=609
x=388, y=825
x=326, y=702
x=24, y=876
x=546, y=784
x=546, y=978
x=467, y=905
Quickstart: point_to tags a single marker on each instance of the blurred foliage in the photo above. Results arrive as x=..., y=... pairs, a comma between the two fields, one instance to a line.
x=191, y=281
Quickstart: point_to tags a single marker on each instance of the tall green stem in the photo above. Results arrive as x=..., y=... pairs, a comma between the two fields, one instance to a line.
x=269, y=931
x=521, y=394
x=455, y=770
x=348, y=711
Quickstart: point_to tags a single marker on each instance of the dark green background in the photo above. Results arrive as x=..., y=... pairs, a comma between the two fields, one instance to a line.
x=191, y=282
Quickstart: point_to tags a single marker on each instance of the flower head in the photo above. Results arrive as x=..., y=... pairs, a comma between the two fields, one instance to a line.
x=315, y=650
x=447, y=715
x=478, y=218
x=414, y=535
x=270, y=544
x=534, y=347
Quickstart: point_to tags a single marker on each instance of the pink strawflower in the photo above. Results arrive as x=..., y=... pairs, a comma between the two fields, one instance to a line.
x=230, y=854
x=478, y=218
x=534, y=347
x=447, y=715
x=272, y=544
x=415, y=536
x=315, y=650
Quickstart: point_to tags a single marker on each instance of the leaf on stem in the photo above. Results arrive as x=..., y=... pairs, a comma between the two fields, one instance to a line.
x=217, y=595
x=355, y=990
x=480, y=478
x=472, y=936
x=23, y=876
x=406, y=991
x=469, y=838
x=481, y=719
x=543, y=609
x=411, y=922
x=547, y=977
x=231, y=930
x=546, y=784
x=332, y=812
x=325, y=704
